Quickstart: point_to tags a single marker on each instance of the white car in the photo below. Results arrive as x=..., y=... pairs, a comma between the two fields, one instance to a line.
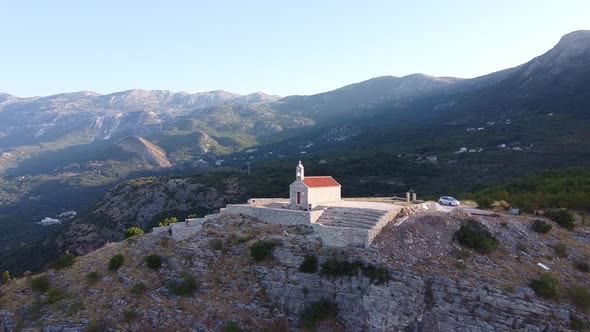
x=448, y=200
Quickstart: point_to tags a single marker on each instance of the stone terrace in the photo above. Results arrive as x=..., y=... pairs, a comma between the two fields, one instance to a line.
x=351, y=217
x=342, y=223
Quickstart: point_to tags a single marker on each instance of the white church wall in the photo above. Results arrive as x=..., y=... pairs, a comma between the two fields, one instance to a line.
x=298, y=187
x=318, y=195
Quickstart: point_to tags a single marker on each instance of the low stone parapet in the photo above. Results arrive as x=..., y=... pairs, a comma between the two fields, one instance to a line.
x=266, y=201
x=181, y=230
x=274, y=215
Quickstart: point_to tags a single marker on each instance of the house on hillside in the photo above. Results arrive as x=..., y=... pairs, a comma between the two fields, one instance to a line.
x=306, y=192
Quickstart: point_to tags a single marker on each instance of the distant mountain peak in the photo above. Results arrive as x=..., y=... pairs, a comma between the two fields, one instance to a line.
x=580, y=36
x=257, y=97
x=572, y=49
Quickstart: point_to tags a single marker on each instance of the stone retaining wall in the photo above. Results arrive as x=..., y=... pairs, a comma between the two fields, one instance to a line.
x=266, y=201
x=341, y=236
x=373, y=232
x=181, y=230
x=352, y=237
x=275, y=216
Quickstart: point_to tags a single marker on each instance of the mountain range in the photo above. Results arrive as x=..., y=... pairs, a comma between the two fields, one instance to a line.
x=378, y=137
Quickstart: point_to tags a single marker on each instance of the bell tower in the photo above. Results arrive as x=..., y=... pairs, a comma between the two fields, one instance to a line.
x=299, y=172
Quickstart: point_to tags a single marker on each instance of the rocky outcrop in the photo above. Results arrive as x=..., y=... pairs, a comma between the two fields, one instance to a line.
x=274, y=292
x=7, y=321
x=204, y=142
x=139, y=146
x=138, y=203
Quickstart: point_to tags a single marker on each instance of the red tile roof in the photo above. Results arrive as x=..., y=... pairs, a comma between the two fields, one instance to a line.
x=320, y=181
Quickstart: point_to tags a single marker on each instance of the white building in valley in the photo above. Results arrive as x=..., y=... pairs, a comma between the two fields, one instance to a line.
x=311, y=191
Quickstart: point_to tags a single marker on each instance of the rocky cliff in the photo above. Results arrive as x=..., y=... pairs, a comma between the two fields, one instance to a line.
x=412, y=279
x=144, y=203
x=139, y=146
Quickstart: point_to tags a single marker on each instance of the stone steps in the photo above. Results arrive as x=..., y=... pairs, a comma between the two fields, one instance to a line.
x=369, y=222
x=351, y=217
x=356, y=211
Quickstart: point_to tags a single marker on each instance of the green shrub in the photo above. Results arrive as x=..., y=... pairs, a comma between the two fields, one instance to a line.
x=231, y=326
x=234, y=240
x=129, y=315
x=343, y=268
x=98, y=326
x=580, y=296
x=133, y=232
x=186, y=286
x=545, y=286
x=476, y=236
x=5, y=277
x=278, y=325
x=377, y=275
x=92, y=277
x=541, y=226
x=216, y=244
x=340, y=268
x=153, y=261
x=522, y=247
x=261, y=250
x=139, y=288
x=317, y=312
x=309, y=265
x=509, y=288
x=54, y=295
x=40, y=284
x=560, y=250
x=562, y=217
x=64, y=261
x=484, y=202
x=76, y=307
x=577, y=324
x=461, y=253
x=168, y=221
x=116, y=262
x=582, y=265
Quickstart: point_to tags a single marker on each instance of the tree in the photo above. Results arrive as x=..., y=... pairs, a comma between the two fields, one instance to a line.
x=116, y=262
x=153, y=261
x=132, y=232
x=64, y=261
x=476, y=236
x=545, y=286
x=168, y=221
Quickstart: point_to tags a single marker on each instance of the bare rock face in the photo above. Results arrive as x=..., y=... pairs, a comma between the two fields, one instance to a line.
x=429, y=295
x=7, y=321
x=145, y=149
x=204, y=142
x=137, y=203
x=572, y=51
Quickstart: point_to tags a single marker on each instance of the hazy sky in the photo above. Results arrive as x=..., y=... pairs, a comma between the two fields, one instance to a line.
x=304, y=47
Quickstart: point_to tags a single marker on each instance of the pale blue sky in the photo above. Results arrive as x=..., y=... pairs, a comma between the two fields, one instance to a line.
x=303, y=47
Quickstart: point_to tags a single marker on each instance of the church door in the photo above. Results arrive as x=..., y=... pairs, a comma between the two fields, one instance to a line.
x=298, y=198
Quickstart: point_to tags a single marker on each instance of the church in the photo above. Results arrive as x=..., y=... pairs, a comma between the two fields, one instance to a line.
x=305, y=193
